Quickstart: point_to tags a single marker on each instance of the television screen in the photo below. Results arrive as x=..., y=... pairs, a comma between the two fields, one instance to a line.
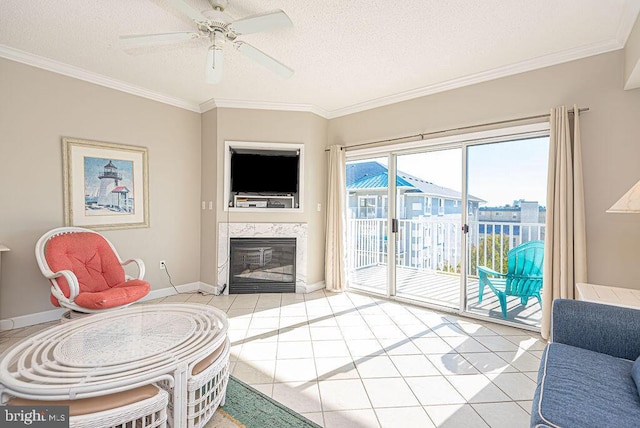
x=264, y=173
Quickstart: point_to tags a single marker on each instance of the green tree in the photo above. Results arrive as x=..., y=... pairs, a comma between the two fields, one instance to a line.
x=491, y=252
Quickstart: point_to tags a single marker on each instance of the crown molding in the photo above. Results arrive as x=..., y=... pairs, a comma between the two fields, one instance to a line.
x=262, y=105
x=628, y=19
x=91, y=77
x=208, y=105
x=485, y=76
x=626, y=24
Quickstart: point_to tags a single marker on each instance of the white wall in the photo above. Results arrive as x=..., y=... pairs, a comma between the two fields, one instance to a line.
x=274, y=127
x=38, y=108
x=610, y=136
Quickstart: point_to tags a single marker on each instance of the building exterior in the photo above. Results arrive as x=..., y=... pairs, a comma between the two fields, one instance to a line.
x=367, y=184
x=523, y=220
x=429, y=222
x=520, y=212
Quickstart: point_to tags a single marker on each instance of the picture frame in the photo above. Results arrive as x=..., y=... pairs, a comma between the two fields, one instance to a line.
x=106, y=185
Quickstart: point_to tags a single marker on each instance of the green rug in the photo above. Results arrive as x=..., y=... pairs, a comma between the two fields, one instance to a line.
x=250, y=408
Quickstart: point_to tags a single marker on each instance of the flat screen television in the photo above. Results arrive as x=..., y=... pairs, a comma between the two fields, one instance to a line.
x=264, y=173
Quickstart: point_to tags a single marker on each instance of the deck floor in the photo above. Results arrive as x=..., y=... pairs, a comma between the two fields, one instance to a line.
x=444, y=289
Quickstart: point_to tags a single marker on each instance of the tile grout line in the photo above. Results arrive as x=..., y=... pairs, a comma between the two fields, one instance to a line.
x=399, y=372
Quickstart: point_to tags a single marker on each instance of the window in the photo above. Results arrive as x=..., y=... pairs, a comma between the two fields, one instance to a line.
x=401, y=207
x=427, y=205
x=384, y=206
x=367, y=206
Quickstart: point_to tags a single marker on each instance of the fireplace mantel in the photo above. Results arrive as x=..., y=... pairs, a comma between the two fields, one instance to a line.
x=263, y=230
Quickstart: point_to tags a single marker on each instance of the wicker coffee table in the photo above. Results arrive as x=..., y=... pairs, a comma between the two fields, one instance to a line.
x=115, y=351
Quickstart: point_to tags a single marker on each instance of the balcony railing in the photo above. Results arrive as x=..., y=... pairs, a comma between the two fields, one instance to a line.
x=435, y=244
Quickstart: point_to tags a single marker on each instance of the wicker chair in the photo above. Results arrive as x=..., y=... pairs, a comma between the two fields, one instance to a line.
x=206, y=386
x=86, y=272
x=145, y=406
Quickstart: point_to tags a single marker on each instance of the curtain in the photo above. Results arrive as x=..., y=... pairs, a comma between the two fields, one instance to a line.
x=336, y=226
x=565, y=237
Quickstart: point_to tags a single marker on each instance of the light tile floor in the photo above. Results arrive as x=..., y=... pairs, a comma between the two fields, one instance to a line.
x=348, y=360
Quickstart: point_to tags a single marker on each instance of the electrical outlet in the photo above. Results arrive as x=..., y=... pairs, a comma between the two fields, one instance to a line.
x=163, y=264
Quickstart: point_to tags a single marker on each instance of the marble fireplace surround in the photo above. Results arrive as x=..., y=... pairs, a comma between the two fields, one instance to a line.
x=226, y=231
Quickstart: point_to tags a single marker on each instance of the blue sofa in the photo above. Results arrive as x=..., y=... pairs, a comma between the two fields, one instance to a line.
x=590, y=371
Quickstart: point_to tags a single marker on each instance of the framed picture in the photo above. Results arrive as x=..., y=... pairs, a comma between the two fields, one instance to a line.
x=106, y=186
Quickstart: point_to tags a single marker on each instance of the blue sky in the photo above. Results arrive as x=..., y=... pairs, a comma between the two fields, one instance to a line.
x=498, y=173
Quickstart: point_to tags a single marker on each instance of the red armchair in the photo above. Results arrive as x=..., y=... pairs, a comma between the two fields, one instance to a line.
x=86, y=272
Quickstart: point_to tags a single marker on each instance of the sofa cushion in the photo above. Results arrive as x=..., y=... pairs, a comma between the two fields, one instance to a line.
x=581, y=388
x=635, y=373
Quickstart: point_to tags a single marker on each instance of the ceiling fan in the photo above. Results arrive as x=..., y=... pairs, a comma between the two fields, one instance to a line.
x=219, y=27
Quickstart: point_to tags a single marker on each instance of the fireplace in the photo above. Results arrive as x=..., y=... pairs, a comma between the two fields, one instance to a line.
x=262, y=265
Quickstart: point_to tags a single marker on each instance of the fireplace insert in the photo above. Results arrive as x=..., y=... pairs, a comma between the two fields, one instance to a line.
x=262, y=265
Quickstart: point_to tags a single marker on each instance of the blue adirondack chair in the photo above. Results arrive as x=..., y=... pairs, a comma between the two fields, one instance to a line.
x=523, y=278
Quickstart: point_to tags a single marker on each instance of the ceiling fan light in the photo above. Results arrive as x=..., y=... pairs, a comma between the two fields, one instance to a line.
x=214, y=65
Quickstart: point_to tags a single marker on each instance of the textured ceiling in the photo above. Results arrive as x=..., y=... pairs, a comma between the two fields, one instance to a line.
x=348, y=55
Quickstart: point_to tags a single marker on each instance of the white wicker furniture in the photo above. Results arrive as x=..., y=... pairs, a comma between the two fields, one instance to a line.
x=145, y=406
x=74, y=285
x=115, y=351
x=207, y=387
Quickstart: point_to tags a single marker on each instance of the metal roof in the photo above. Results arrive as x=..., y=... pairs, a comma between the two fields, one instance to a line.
x=373, y=175
x=377, y=182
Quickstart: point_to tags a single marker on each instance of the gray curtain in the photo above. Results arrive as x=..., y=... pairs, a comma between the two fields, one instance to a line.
x=336, y=227
x=565, y=238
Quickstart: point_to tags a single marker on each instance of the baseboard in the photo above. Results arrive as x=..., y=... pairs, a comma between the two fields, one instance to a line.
x=56, y=314
x=31, y=319
x=169, y=291
x=310, y=288
x=209, y=289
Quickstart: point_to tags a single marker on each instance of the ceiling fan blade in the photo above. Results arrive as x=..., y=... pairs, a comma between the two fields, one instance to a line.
x=264, y=59
x=264, y=22
x=152, y=39
x=187, y=10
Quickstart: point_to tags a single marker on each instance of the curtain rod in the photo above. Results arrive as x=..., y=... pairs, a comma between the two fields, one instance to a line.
x=462, y=128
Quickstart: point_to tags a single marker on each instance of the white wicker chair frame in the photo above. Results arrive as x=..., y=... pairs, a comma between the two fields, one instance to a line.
x=114, y=351
x=149, y=413
x=72, y=281
x=205, y=390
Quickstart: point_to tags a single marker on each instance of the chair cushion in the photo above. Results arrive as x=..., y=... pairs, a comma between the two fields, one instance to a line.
x=208, y=360
x=86, y=406
x=118, y=295
x=89, y=256
x=581, y=388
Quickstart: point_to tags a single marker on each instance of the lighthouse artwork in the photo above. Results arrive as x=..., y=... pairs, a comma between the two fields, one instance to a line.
x=108, y=186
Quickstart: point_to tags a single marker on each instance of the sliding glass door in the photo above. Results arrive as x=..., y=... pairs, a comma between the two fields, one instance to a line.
x=509, y=179
x=367, y=225
x=445, y=231
x=429, y=249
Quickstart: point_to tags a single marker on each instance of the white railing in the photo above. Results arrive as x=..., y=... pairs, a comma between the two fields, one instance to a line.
x=435, y=244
